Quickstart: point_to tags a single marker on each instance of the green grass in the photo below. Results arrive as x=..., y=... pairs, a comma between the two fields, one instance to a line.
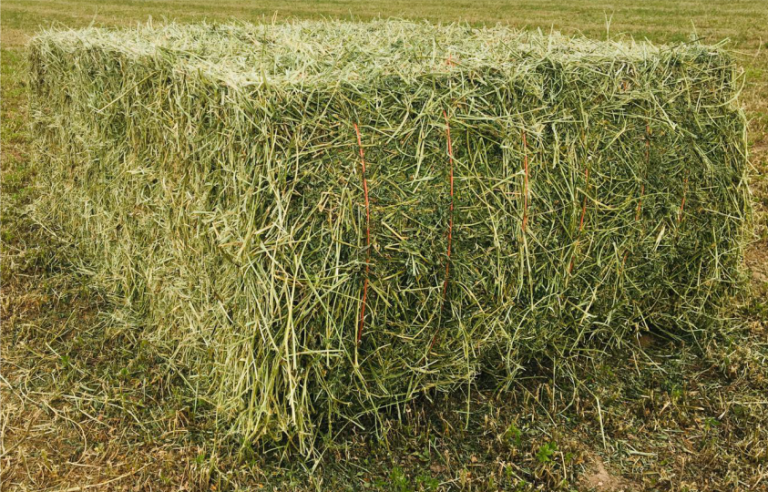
x=85, y=404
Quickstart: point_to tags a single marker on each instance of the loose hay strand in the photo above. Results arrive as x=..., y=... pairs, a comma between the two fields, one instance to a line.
x=367, y=236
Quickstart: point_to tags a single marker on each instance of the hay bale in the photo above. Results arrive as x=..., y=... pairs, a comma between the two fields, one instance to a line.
x=283, y=204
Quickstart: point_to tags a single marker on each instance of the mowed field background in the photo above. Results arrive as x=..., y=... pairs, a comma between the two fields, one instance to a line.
x=88, y=407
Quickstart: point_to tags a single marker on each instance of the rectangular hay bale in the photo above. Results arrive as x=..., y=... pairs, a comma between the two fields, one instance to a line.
x=213, y=174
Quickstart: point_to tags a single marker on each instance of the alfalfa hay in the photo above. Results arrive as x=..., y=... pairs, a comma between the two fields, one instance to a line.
x=321, y=220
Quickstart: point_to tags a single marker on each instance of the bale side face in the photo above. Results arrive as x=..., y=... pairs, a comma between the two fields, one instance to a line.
x=214, y=176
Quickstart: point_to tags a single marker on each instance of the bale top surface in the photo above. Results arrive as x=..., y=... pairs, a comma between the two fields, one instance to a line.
x=310, y=52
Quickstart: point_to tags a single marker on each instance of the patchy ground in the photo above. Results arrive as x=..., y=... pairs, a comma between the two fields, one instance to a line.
x=87, y=404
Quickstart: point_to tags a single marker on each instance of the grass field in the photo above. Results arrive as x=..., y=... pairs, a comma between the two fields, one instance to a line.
x=88, y=406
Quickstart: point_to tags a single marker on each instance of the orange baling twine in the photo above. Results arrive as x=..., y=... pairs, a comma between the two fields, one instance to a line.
x=647, y=163
x=450, y=214
x=450, y=219
x=525, y=182
x=583, y=211
x=367, y=236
